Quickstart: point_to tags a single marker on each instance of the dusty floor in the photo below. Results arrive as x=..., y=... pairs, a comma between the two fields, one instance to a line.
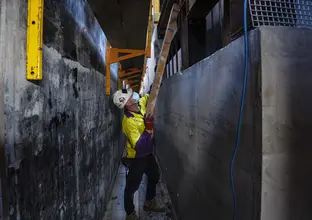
x=115, y=207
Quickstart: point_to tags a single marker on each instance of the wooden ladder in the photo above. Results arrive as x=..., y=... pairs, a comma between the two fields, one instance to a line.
x=169, y=35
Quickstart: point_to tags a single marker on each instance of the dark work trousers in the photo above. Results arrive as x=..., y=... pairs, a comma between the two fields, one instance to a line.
x=139, y=166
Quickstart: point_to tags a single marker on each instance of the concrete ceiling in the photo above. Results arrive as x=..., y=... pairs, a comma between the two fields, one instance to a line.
x=124, y=23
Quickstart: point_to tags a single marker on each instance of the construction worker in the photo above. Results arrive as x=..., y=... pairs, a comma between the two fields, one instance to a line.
x=140, y=150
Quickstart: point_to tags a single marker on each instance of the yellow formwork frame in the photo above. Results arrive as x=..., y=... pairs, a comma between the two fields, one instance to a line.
x=34, y=40
x=149, y=32
x=148, y=40
x=156, y=11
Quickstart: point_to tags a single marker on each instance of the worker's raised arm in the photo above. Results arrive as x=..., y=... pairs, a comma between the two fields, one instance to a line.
x=144, y=100
x=142, y=143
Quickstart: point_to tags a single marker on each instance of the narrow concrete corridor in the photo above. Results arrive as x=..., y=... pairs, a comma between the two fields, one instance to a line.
x=212, y=74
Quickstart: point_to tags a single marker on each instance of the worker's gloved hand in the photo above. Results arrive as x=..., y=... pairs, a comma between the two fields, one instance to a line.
x=149, y=124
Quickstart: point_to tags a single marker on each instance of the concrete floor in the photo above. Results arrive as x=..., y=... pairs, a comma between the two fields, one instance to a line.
x=115, y=207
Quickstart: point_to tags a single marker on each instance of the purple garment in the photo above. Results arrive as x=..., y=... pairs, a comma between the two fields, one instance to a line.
x=128, y=114
x=145, y=145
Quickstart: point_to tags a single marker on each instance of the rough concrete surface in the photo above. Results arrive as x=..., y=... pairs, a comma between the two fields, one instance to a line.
x=196, y=129
x=63, y=138
x=287, y=123
x=197, y=114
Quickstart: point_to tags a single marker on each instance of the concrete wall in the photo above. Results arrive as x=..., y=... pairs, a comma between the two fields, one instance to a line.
x=197, y=115
x=196, y=123
x=63, y=133
x=287, y=123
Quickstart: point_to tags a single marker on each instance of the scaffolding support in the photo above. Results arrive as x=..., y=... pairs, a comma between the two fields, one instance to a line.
x=34, y=40
x=133, y=76
x=114, y=55
x=170, y=32
x=127, y=73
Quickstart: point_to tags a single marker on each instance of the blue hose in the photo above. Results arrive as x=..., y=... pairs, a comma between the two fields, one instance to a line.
x=239, y=125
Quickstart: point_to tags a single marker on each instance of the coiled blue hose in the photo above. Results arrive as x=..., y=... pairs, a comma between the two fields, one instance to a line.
x=239, y=125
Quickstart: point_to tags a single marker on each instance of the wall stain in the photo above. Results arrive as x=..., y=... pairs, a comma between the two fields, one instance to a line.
x=61, y=165
x=75, y=73
x=50, y=100
x=58, y=120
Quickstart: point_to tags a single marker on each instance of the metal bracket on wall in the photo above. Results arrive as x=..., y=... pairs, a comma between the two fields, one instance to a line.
x=135, y=86
x=124, y=74
x=34, y=40
x=114, y=55
x=133, y=82
x=133, y=76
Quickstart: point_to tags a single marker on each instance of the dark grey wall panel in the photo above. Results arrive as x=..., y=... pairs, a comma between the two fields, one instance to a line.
x=63, y=133
x=197, y=115
x=287, y=123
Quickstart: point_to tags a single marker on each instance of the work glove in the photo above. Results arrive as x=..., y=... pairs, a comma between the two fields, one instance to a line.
x=149, y=124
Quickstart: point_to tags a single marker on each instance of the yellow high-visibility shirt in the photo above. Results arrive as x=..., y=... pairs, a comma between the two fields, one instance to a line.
x=139, y=141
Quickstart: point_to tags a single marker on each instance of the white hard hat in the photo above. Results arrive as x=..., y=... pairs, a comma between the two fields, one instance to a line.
x=120, y=97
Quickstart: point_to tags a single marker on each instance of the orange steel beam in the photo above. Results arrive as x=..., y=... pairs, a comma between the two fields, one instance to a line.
x=131, y=77
x=170, y=32
x=132, y=81
x=129, y=72
x=114, y=55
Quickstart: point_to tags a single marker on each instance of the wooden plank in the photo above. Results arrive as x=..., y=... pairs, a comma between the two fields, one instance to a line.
x=170, y=32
